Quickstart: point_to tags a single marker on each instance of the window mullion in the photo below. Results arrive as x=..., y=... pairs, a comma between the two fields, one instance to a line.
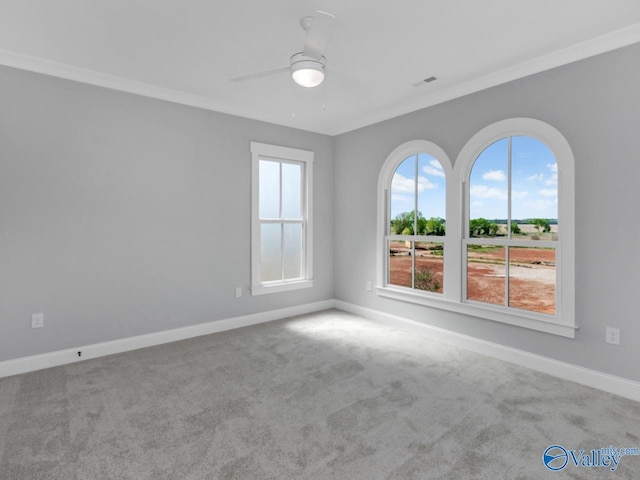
x=283, y=220
x=282, y=251
x=509, y=150
x=303, y=214
x=386, y=259
x=507, y=250
x=415, y=223
x=281, y=224
x=415, y=196
x=413, y=262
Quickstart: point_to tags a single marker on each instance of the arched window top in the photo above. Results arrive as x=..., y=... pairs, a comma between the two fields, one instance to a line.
x=515, y=127
x=401, y=153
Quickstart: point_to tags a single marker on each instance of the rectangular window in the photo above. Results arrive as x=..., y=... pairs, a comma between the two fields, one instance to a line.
x=281, y=224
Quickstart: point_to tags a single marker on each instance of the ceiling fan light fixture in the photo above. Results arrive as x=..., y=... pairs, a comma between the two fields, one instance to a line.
x=306, y=71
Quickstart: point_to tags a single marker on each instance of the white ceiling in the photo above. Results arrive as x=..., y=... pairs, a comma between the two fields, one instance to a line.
x=186, y=50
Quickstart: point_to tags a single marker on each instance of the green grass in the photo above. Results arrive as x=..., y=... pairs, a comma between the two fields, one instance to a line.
x=483, y=248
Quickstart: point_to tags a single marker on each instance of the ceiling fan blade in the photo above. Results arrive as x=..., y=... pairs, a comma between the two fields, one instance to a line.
x=260, y=74
x=318, y=35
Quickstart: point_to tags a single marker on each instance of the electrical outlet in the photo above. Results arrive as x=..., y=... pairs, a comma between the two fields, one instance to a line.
x=613, y=336
x=368, y=286
x=238, y=292
x=37, y=320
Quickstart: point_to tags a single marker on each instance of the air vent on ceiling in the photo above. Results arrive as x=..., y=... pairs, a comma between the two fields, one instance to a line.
x=425, y=80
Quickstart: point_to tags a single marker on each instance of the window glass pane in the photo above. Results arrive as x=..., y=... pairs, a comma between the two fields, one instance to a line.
x=269, y=189
x=488, y=189
x=291, y=190
x=431, y=196
x=429, y=263
x=532, y=279
x=486, y=274
x=270, y=252
x=537, y=229
x=400, y=263
x=534, y=189
x=403, y=198
x=292, y=250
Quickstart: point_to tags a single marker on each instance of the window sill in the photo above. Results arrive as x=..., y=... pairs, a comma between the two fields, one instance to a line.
x=281, y=287
x=511, y=317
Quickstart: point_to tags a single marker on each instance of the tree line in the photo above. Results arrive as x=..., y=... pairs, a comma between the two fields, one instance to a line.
x=405, y=224
x=408, y=223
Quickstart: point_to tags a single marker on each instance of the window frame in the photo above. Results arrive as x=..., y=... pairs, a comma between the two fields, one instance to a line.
x=563, y=323
x=276, y=153
x=414, y=238
x=399, y=155
x=507, y=242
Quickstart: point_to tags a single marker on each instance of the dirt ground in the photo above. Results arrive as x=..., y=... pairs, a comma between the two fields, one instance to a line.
x=531, y=270
x=400, y=271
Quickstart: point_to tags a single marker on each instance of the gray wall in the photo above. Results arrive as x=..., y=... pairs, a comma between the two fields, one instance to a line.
x=595, y=103
x=122, y=215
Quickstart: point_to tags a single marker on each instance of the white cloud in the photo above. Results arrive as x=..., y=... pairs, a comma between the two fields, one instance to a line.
x=402, y=184
x=425, y=184
x=434, y=168
x=495, y=175
x=398, y=199
x=517, y=195
x=536, y=177
x=548, y=192
x=540, y=205
x=553, y=180
x=484, y=192
x=401, y=203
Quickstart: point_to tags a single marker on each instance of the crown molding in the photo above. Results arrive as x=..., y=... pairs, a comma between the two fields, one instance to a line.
x=604, y=43
x=121, y=84
x=595, y=46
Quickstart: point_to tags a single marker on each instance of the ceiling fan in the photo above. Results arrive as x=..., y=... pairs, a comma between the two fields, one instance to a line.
x=307, y=67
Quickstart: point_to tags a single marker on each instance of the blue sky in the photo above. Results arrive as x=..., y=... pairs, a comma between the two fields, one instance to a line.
x=534, y=181
x=431, y=187
x=534, y=187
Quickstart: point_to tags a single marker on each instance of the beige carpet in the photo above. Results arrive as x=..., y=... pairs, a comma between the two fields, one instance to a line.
x=322, y=396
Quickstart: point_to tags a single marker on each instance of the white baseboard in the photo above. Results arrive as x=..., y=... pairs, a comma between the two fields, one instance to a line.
x=70, y=355
x=591, y=378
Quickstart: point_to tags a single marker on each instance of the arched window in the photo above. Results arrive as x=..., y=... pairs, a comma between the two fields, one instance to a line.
x=513, y=226
x=491, y=238
x=413, y=218
x=517, y=182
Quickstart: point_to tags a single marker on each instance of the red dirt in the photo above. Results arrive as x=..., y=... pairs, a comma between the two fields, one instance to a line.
x=532, y=270
x=400, y=271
